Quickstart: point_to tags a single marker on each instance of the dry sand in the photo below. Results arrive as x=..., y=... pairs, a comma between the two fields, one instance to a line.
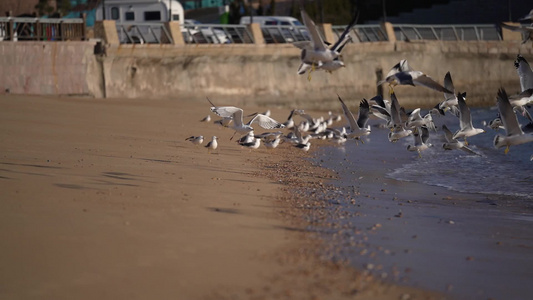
x=104, y=199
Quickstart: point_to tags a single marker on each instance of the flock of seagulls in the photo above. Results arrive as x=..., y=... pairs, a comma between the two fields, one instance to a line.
x=317, y=55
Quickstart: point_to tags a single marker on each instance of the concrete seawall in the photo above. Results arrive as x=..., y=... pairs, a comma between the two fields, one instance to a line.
x=50, y=68
x=244, y=74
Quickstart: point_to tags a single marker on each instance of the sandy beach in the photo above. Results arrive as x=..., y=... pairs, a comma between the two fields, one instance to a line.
x=104, y=199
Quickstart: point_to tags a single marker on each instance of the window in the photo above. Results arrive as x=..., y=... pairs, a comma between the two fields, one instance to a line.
x=152, y=16
x=129, y=16
x=114, y=13
x=175, y=17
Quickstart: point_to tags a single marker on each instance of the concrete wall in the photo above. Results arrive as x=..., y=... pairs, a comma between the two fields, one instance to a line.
x=243, y=74
x=50, y=68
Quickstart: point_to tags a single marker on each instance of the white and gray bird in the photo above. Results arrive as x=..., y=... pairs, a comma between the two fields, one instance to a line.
x=402, y=74
x=465, y=121
x=450, y=99
x=316, y=52
x=238, y=124
x=196, y=140
x=358, y=127
x=212, y=145
x=515, y=135
x=421, y=137
x=453, y=144
x=524, y=73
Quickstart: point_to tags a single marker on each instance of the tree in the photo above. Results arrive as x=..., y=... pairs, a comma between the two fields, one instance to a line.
x=44, y=8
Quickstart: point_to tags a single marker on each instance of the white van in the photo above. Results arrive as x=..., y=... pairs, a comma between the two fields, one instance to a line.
x=279, y=29
x=271, y=20
x=128, y=13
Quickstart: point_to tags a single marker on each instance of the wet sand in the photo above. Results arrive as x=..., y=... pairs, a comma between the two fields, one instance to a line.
x=104, y=199
x=466, y=245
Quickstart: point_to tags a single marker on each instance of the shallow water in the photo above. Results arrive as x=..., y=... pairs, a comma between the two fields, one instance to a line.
x=447, y=221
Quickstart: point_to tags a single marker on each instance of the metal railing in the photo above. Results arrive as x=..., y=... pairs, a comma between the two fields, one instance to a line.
x=216, y=34
x=363, y=33
x=276, y=34
x=38, y=29
x=467, y=32
x=143, y=33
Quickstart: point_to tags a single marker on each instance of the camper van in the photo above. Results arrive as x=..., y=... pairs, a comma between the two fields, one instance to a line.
x=130, y=12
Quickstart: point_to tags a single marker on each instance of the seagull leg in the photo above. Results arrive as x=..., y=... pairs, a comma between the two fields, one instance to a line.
x=419, y=153
x=233, y=135
x=506, y=150
x=466, y=142
x=310, y=71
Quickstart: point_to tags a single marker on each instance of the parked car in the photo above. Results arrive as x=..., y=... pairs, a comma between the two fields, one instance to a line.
x=196, y=32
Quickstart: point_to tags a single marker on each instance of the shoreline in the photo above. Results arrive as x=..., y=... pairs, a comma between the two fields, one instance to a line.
x=105, y=199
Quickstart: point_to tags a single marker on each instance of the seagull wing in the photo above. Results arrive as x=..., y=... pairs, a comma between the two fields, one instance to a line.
x=448, y=135
x=364, y=112
x=303, y=45
x=428, y=82
x=524, y=72
x=225, y=111
x=448, y=84
x=345, y=34
x=510, y=122
x=349, y=115
x=425, y=134
x=465, y=120
x=316, y=39
x=395, y=110
x=402, y=66
x=266, y=122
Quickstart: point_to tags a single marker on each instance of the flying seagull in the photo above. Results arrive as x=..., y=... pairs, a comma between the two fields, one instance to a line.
x=465, y=121
x=316, y=52
x=515, y=135
x=402, y=74
x=238, y=124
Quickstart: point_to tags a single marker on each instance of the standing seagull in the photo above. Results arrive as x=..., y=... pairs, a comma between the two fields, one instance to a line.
x=316, y=51
x=402, y=74
x=212, y=145
x=238, y=124
x=515, y=135
x=196, y=140
x=465, y=121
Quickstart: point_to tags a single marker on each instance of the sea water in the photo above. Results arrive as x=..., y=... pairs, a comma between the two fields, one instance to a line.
x=403, y=228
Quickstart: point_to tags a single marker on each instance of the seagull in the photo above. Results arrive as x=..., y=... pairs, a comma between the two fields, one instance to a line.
x=421, y=136
x=396, y=124
x=465, y=121
x=196, y=140
x=271, y=144
x=402, y=74
x=247, y=138
x=450, y=99
x=522, y=99
x=453, y=144
x=305, y=147
x=212, y=145
x=416, y=120
x=238, y=124
x=252, y=145
x=515, y=135
x=524, y=72
x=527, y=30
x=357, y=127
x=316, y=51
x=329, y=67
x=206, y=119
